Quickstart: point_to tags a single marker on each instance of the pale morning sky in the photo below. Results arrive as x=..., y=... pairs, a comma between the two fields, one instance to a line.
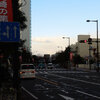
x=53, y=19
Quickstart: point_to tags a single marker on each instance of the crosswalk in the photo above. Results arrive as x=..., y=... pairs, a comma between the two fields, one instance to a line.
x=59, y=70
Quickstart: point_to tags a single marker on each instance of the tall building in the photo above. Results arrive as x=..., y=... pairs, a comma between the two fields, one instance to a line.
x=26, y=33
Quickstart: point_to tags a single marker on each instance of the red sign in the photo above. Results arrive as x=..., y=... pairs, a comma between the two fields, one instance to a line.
x=6, y=13
x=71, y=56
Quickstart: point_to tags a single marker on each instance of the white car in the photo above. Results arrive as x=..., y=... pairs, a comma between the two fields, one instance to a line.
x=27, y=71
x=50, y=66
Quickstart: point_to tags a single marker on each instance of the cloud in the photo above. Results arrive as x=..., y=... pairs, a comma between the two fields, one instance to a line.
x=41, y=40
x=49, y=45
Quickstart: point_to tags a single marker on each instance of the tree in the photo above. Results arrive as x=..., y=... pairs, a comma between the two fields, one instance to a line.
x=63, y=57
x=77, y=59
x=60, y=57
x=18, y=16
x=67, y=53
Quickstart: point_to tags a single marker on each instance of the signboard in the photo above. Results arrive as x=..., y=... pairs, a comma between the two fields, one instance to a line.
x=71, y=56
x=9, y=32
x=6, y=13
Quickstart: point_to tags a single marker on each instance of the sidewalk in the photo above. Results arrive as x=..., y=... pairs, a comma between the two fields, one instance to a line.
x=7, y=92
x=86, y=69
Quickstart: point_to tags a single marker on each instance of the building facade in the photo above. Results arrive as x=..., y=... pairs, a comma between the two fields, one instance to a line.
x=83, y=48
x=26, y=33
x=86, y=50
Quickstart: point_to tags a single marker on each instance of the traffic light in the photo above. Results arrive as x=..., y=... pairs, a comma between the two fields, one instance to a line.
x=89, y=40
x=83, y=41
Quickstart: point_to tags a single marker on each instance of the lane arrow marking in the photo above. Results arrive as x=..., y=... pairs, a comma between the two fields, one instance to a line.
x=7, y=31
x=15, y=28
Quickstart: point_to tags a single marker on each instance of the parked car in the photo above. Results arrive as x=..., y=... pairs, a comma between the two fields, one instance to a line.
x=27, y=71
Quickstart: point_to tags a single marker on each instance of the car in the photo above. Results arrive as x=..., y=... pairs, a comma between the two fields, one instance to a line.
x=27, y=71
x=50, y=66
x=96, y=65
x=41, y=65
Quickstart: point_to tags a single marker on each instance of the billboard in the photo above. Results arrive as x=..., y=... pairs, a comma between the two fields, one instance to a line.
x=6, y=11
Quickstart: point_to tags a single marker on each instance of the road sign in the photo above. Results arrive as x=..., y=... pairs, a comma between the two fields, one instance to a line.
x=9, y=32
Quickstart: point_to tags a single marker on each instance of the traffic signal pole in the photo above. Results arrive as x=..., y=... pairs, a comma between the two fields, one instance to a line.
x=16, y=67
x=90, y=56
x=90, y=42
x=97, y=42
x=97, y=49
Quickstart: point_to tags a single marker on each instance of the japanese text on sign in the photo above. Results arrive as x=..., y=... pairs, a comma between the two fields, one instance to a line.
x=6, y=10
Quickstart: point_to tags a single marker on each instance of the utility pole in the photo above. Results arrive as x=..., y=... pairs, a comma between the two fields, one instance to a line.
x=90, y=56
x=97, y=42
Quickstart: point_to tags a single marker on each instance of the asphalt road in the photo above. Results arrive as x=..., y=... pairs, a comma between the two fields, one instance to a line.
x=60, y=84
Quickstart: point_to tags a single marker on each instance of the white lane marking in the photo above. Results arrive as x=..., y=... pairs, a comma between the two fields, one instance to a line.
x=88, y=94
x=76, y=79
x=29, y=93
x=64, y=91
x=84, y=82
x=66, y=97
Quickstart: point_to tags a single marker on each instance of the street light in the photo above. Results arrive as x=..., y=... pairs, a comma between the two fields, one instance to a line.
x=96, y=41
x=68, y=39
x=59, y=47
x=69, y=50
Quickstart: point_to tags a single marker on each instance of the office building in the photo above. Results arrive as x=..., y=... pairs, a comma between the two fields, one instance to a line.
x=26, y=33
x=83, y=48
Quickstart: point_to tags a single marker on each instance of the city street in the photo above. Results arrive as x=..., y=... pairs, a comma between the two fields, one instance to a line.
x=49, y=50
x=60, y=84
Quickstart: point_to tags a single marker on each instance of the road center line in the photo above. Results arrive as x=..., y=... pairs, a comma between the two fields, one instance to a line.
x=51, y=82
x=84, y=82
x=88, y=94
x=29, y=93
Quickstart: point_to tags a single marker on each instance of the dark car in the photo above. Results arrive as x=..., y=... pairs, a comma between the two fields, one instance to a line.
x=41, y=65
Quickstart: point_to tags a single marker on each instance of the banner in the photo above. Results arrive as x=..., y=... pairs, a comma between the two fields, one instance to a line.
x=71, y=56
x=6, y=12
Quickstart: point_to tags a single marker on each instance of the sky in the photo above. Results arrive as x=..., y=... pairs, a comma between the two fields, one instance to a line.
x=53, y=19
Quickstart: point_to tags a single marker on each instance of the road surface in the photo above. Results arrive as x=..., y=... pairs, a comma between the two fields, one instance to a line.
x=61, y=84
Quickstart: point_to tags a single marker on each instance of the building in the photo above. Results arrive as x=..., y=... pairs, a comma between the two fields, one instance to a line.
x=83, y=48
x=26, y=34
x=86, y=50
